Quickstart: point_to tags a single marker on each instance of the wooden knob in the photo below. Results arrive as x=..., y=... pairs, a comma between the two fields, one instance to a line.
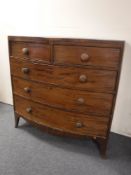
x=79, y=125
x=27, y=89
x=80, y=101
x=84, y=57
x=29, y=110
x=25, y=51
x=83, y=78
x=25, y=70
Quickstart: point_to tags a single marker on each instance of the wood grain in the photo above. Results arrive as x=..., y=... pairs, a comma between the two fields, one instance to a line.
x=68, y=77
x=39, y=52
x=66, y=85
x=96, y=103
x=60, y=120
x=104, y=57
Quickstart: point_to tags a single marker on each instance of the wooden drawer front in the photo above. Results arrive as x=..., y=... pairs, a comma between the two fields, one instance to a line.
x=33, y=51
x=69, y=77
x=72, y=100
x=92, y=56
x=60, y=120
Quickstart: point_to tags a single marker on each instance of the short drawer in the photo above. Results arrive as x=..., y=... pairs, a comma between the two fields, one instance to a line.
x=33, y=51
x=70, y=100
x=68, y=77
x=61, y=120
x=91, y=56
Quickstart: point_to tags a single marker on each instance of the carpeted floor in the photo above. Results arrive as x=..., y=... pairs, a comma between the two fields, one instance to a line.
x=29, y=151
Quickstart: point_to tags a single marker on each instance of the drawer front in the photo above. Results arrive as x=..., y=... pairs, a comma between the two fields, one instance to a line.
x=33, y=51
x=60, y=120
x=68, y=77
x=71, y=100
x=91, y=56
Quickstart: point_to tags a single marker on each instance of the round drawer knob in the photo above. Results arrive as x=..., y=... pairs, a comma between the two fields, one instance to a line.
x=79, y=125
x=84, y=57
x=80, y=101
x=29, y=110
x=25, y=70
x=83, y=78
x=27, y=89
x=25, y=51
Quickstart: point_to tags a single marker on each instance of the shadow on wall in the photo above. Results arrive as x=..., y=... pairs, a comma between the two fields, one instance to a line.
x=122, y=119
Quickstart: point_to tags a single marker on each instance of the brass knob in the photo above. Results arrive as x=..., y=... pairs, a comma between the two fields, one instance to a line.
x=25, y=51
x=79, y=125
x=29, y=110
x=83, y=78
x=27, y=89
x=25, y=70
x=80, y=101
x=84, y=57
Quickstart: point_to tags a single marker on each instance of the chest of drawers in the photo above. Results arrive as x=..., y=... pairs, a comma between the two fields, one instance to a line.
x=66, y=86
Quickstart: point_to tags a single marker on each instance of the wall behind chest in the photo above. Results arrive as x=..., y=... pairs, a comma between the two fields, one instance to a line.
x=103, y=19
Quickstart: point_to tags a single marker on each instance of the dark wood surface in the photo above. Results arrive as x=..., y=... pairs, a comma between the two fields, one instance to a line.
x=97, y=56
x=35, y=51
x=66, y=85
x=69, y=41
x=61, y=120
x=68, y=77
x=96, y=103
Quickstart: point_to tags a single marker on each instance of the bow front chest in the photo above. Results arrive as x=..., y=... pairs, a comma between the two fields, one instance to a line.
x=66, y=86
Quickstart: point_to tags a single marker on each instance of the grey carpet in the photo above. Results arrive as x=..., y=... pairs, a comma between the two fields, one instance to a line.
x=29, y=151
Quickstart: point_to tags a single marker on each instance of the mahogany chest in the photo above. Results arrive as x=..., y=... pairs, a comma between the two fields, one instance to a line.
x=66, y=86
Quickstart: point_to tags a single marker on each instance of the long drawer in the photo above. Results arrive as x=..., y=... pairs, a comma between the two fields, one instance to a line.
x=61, y=120
x=72, y=100
x=69, y=77
x=91, y=56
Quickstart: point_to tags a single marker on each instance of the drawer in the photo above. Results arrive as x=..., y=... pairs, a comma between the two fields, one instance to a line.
x=70, y=100
x=91, y=56
x=68, y=77
x=60, y=120
x=33, y=51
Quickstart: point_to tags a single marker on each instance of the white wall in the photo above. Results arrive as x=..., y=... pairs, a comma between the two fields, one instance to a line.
x=99, y=19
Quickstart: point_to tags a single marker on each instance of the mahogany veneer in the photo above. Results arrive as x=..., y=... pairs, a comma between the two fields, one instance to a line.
x=66, y=86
